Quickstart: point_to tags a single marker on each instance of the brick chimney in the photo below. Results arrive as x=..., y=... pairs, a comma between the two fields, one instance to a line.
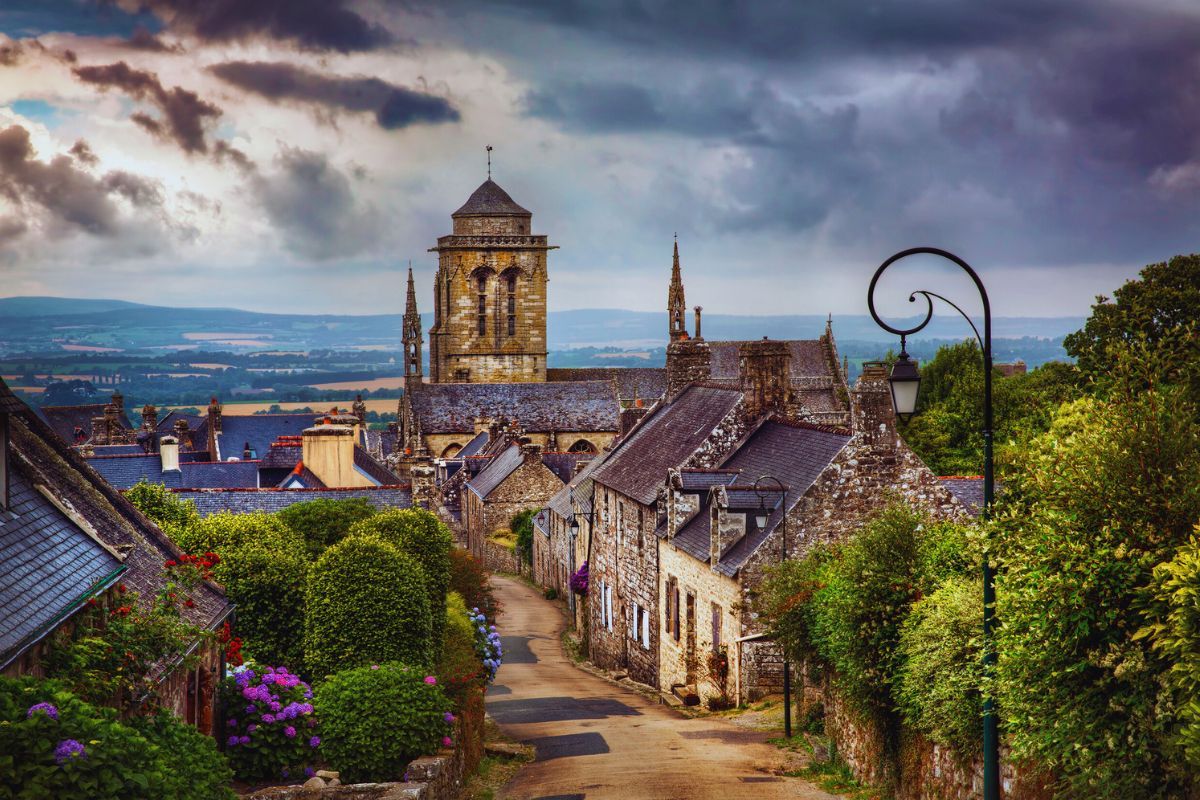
x=872, y=415
x=688, y=361
x=765, y=375
x=214, y=415
x=328, y=452
x=182, y=435
x=630, y=416
x=360, y=411
x=531, y=452
x=168, y=448
x=149, y=417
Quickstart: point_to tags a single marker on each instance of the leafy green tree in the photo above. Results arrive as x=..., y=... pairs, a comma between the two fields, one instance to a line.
x=162, y=506
x=1090, y=509
x=522, y=525
x=325, y=522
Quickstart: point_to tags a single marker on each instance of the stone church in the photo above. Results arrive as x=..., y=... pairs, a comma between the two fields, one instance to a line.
x=488, y=351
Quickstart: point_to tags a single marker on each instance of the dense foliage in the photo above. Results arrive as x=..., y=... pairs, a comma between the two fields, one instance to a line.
x=469, y=578
x=268, y=586
x=422, y=536
x=1100, y=500
x=522, y=525
x=271, y=730
x=459, y=669
x=367, y=602
x=323, y=523
x=52, y=744
x=375, y=719
x=223, y=532
x=163, y=508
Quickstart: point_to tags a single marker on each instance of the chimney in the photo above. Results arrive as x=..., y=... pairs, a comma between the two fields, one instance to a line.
x=149, y=417
x=100, y=428
x=168, y=448
x=531, y=452
x=118, y=400
x=872, y=415
x=248, y=453
x=360, y=411
x=630, y=416
x=698, y=310
x=688, y=361
x=764, y=372
x=214, y=415
x=328, y=451
x=183, y=436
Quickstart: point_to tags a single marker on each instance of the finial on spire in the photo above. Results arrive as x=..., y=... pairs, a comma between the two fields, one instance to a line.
x=489, y=158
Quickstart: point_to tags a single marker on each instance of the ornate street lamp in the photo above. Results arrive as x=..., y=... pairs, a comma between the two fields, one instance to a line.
x=761, y=517
x=905, y=382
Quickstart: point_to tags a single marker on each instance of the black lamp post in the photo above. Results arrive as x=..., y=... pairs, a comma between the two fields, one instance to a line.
x=761, y=518
x=905, y=381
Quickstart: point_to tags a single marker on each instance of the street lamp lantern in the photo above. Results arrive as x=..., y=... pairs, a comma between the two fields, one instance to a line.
x=574, y=525
x=905, y=383
x=905, y=380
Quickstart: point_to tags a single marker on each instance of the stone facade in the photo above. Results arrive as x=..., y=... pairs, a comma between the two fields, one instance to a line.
x=528, y=486
x=489, y=295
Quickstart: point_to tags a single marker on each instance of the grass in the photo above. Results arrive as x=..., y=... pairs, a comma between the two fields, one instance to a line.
x=833, y=775
x=493, y=771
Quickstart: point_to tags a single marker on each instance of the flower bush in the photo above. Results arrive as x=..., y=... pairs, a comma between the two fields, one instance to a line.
x=424, y=537
x=487, y=644
x=270, y=730
x=367, y=603
x=579, y=580
x=459, y=668
x=54, y=745
x=376, y=719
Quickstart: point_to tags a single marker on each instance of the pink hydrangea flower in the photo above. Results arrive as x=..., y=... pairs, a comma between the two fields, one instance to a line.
x=429, y=679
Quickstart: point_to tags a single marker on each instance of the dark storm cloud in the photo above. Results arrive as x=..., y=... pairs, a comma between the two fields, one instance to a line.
x=144, y=39
x=83, y=153
x=309, y=24
x=312, y=203
x=393, y=106
x=63, y=195
x=185, y=115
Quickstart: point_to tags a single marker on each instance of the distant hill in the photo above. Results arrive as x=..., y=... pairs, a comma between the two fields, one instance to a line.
x=47, y=324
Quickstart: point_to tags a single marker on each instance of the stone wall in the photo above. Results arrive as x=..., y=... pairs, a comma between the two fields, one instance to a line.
x=762, y=669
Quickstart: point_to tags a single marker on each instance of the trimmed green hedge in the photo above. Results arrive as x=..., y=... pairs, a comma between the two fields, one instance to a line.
x=268, y=587
x=376, y=719
x=423, y=536
x=224, y=531
x=367, y=602
x=323, y=523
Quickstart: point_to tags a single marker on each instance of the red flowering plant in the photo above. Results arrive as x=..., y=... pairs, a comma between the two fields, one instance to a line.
x=119, y=643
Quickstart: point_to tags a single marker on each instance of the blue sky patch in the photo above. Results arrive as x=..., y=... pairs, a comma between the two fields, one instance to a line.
x=38, y=111
x=26, y=18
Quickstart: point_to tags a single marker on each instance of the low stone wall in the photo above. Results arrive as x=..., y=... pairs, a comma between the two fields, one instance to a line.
x=761, y=669
x=439, y=777
x=499, y=558
x=915, y=768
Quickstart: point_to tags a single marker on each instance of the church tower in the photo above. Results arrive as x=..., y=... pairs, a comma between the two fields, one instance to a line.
x=489, y=294
x=676, y=305
x=412, y=334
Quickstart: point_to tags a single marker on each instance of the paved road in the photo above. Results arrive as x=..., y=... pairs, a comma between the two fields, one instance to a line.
x=596, y=740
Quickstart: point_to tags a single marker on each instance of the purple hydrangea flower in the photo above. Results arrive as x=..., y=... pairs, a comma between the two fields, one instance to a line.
x=232, y=741
x=244, y=740
x=251, y=728
x=43, y=708
x=447, y=741
x=69, y=750
x=250, y=709
x=309, y=772
x=289, y=732
x=314, y=741
x=268, y=718
x=232, y=722
x=449, y=718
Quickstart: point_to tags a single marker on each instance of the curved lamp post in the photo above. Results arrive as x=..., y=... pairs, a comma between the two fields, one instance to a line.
x=761, y=518
x=905, y=381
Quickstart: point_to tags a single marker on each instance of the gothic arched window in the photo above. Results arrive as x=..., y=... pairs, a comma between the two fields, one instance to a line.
x=481, y=314
x=512, y=304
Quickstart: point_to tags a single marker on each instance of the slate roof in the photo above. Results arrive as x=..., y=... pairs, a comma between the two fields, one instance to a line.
x=701, y=480
x=124, y=472
x=282, y=454
x=373, y=469
x=118, y=450
x=257, y=429
x=495, y=473
x=49, y=461
x=567, y=406
x=808, y=359
x=382, y=441
x=489, y=200
x=474, y=446
x=794, y=453
x=51, y=566
x=649, y=383
x=564, y=464
x=665, y=438
x=9, y=401
x=968, y=489
x=577, y=493
x=244, y=501
x=220, y=475
x=63, y=419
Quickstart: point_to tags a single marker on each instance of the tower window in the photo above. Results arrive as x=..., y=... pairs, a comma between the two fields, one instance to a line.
x=512, y=305
x=482, y=312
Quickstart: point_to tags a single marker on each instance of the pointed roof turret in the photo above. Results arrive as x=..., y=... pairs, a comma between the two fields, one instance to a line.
x=410, y=308
x=411, y=333
x=489, y=200
x=676, y=305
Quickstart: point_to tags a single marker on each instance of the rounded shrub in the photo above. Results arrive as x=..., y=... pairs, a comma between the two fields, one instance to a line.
x=225, y=531
x=423, y=536
x=268, y=586
x=323, y=523
x=941, y=672
x=192, y=767
x=376, y=719
x=366, y=603
x=270, y=728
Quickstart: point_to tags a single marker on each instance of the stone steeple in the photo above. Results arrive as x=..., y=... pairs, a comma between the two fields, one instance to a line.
x=412, y=333
x=676, y=305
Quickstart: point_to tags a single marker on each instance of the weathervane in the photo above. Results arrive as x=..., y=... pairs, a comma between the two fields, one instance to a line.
x=489, y=157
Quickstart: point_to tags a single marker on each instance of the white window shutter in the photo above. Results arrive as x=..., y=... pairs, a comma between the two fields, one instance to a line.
x=646, y=630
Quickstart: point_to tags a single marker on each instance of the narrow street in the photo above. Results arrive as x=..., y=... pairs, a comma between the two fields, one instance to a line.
x=596, y=740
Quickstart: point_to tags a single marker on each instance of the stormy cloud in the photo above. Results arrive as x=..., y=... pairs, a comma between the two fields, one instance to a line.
x=185, y=116
x=62, y=197
x=392, y=106
x=308, y=24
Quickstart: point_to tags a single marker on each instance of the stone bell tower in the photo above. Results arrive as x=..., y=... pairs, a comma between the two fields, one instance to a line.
x=489, y=295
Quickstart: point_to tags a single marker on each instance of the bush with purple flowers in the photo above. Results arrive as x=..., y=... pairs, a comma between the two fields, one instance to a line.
x=378, y=718
x=271, y=727
x=487, y=644
x=579, y=580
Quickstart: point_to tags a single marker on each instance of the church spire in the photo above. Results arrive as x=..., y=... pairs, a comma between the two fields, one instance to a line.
x=412, y=332
x=676, y=306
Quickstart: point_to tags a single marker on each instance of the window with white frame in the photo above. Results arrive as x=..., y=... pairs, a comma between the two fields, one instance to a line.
x=640, y=632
